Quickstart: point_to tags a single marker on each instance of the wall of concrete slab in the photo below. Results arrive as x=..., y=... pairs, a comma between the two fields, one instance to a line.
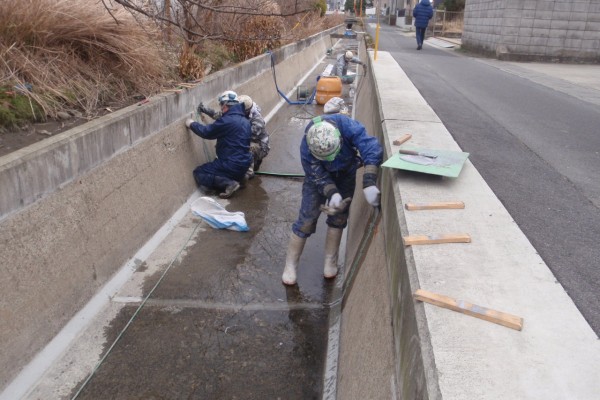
x=534, y=30
x=75, y=207
x=385, y=350
x=440, y=353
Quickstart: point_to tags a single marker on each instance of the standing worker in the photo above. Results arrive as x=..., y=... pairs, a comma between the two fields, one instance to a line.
x=330, y=157
x=341, y=66
x=232, y=131
x=259, y=143
x=422, y=13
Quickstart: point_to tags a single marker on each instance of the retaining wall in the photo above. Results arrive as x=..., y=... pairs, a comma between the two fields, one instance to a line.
x=534, y=30
x=75, y=207
x=440, y=353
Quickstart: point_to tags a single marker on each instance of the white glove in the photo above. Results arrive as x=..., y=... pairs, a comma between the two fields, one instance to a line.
x=372, y=195
x=336, y=210
x=188, y=122
x=335, y=201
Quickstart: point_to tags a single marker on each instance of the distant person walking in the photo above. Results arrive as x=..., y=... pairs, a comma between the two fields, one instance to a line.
x=422, y=14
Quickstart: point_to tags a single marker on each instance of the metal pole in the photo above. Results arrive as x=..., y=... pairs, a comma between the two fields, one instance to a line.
x=378, y=11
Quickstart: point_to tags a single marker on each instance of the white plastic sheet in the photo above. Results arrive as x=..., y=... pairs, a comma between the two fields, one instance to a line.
x=217, y=216
x=335, y=105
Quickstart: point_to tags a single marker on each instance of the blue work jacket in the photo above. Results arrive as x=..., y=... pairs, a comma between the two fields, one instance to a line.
x=358, y=148
x=232, y=132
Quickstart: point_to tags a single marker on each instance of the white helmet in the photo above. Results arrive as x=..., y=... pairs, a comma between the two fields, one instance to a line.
x=348, y=56
x=324, y=140
x=247, y=101
x=228, y=97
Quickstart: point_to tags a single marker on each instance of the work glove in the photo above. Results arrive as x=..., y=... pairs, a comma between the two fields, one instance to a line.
x=188, y=122
x=201, y=109
x=335, y=200
x=341, y=207
x=372, y=195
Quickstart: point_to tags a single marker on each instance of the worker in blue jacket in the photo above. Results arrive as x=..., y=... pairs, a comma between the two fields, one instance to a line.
x=333, y=148
x=422, y=13
x=232, y=132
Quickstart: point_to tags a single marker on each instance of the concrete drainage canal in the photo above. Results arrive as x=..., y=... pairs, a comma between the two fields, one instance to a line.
x=205, y=315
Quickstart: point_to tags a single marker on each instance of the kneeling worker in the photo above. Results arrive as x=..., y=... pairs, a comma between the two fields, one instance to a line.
x=330, y=158
x=259, y=143
x=233, y=132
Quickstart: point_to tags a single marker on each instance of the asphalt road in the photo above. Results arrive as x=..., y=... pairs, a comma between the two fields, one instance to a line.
x=536, y=141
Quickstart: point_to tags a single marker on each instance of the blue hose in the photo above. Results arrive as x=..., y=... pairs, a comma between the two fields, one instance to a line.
x=308, y=101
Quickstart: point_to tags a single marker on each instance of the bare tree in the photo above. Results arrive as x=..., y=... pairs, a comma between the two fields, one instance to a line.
x=199, y=20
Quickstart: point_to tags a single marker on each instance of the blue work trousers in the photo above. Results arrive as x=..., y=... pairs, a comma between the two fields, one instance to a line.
x=218, y=175
x=306, y=224
x=420, y=35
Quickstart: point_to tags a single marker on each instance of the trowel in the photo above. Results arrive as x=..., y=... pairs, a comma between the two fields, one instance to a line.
x=417, y=153
x=423, y=158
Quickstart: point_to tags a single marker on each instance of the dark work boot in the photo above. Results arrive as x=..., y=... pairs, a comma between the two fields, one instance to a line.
x=227, y=186
x=229, y=190
x=206, y=190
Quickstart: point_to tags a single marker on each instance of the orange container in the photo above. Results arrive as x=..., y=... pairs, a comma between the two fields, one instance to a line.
x=328, y=87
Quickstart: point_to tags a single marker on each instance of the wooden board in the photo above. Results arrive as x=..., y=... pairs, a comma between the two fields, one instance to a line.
x=461, y=306
x=403, y=139
x=436, y=239
x=435, y=205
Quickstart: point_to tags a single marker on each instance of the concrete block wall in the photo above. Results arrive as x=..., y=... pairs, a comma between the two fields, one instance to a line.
x=75, y=207
x=534, y=30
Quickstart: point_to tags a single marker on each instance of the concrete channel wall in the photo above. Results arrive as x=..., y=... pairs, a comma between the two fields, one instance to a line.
x=440, y=353
x=75, y=207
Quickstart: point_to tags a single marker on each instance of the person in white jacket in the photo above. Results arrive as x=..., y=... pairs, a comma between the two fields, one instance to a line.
x=341, y=66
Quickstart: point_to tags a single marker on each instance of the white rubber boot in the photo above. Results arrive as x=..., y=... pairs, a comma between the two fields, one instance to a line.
x=332, y=244
x=295, y=247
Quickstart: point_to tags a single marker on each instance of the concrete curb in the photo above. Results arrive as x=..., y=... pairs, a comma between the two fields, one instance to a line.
x=553, y=357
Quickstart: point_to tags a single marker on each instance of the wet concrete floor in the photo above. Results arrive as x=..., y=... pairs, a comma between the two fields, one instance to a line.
x=218, y=323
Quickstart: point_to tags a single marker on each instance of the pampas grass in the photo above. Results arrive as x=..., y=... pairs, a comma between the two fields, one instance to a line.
x=78, y=55
x=75, y=54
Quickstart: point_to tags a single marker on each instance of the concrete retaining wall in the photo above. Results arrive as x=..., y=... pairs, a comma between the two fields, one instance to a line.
x=534, y=30
x=385, y=347
x=75, y=207
x=445, y=354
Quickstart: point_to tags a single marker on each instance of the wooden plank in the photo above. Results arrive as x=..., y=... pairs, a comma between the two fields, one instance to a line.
x=436, y=239
x=434, y=206
x=403, y=139
x=461, y=306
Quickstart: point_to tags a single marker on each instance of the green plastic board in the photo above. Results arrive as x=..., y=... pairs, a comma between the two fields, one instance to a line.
x=447, y=163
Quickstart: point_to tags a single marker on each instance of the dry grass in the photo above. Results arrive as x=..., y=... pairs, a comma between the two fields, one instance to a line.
x=78, y=55
x=75, y=54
